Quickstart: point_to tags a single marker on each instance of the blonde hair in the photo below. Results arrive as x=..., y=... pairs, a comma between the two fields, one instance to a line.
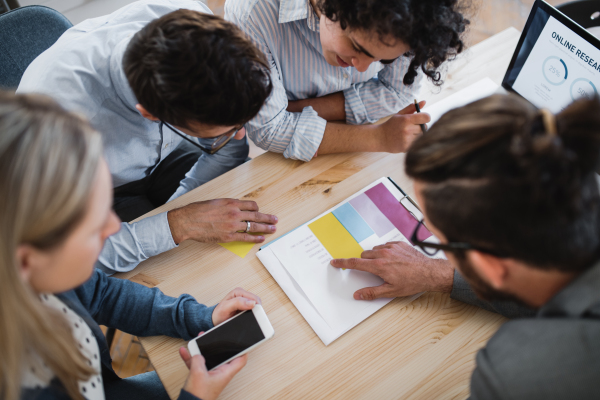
x=48, y=162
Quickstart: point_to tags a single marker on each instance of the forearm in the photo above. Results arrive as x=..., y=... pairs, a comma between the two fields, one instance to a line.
x=330, y=107
x=142, y=311
x=135, y=243
x=343, y=138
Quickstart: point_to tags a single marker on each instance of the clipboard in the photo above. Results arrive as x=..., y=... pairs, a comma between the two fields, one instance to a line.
x=325, y=327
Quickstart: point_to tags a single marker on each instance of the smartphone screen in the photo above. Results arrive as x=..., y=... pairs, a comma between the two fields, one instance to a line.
x=230, y=339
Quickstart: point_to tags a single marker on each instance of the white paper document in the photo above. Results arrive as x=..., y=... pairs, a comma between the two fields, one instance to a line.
x=480, y=89
x=300, y=260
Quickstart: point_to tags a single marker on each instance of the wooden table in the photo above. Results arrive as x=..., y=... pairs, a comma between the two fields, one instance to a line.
x=423, y=350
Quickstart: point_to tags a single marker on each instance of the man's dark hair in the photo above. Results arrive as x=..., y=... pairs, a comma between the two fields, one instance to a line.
x=432, y=28
x=191, y=67
x=497, y=178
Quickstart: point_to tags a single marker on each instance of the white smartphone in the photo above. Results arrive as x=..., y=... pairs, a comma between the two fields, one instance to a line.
x=233, y=338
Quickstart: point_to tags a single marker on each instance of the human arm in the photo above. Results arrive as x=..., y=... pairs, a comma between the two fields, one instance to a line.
x=406, y=271
x=135, y=243
x=366, y=102
x=394, y=135
x=205, y=384
x=382, y=95
x=142, y=311
x=331, y=107
x=209, y=221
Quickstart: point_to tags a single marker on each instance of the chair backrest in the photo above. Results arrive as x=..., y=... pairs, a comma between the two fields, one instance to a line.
x=585, y=12
x=25, y=33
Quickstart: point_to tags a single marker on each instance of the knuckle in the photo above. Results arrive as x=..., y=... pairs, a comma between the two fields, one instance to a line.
x=229, y=237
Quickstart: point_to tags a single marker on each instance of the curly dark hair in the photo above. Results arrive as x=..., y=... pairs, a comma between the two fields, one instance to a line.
x=187, y=66
x=432, y=28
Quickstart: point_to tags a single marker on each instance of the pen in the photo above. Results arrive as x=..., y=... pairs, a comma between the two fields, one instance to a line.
x=423, y=127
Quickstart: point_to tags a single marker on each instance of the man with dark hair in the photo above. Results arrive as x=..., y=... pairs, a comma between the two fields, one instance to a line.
x=511, y=193
x=169, y=86
x=348, y=61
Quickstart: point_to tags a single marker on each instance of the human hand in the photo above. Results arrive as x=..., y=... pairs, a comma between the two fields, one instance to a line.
x=403, y=128
x=405, y=271
x=237, y=300
x=205, y=384
x=220, y=220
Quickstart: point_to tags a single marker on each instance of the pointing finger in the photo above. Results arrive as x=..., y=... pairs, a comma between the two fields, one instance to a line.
x=358, y=264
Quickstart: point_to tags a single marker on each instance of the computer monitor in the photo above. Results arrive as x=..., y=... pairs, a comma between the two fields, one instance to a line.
x=556, y=60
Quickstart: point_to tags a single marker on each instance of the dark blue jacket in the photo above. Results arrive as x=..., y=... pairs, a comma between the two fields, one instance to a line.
x=131, y=308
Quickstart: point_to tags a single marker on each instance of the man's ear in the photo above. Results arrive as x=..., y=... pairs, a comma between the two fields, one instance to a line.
x=145, y=113
x=492, y=269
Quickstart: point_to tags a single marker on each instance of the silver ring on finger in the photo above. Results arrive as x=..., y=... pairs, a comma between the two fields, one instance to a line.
x=247, y=226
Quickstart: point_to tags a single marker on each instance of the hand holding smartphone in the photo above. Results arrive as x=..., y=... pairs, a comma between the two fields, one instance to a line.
x=208, y=385
x=233, y=338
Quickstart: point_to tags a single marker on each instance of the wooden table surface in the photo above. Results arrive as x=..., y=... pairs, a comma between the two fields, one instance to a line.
x=424, y=349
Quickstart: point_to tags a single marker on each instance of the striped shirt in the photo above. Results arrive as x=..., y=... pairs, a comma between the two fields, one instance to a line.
x=287, y=31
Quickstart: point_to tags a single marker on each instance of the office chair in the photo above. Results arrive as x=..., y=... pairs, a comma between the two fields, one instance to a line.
x=25, y=33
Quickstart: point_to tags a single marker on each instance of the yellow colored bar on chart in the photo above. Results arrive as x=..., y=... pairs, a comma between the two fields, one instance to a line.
x=335, y=238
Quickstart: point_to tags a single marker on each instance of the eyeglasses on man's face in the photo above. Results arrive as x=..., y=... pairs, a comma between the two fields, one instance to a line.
x=216, y=145
x=421, y=234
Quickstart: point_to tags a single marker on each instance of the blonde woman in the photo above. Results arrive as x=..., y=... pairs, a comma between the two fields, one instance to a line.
x=55, y=214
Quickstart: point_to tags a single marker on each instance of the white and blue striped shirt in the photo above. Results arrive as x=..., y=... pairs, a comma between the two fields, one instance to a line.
x=287, y=32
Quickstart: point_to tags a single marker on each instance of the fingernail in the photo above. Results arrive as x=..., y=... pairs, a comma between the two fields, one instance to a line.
x=276, y=219
x=273, y=228
x=360, y=296
x=250, y=302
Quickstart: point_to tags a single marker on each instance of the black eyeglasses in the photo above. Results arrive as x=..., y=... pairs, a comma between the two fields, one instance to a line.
x=421, y=233
x=216, y=145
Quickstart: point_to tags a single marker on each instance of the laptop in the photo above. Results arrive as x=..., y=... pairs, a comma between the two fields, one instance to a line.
x=556, y=60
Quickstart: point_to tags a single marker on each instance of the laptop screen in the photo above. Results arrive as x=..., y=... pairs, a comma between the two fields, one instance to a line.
x=556, y=61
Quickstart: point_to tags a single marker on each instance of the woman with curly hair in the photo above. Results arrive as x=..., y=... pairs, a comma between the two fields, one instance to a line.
x=352, y=61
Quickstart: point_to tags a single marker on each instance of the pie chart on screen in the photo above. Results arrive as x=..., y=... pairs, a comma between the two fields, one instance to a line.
x=583, y=88
x=555, y=70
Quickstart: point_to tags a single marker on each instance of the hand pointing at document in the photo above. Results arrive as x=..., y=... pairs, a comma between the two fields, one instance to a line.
x=405, y=271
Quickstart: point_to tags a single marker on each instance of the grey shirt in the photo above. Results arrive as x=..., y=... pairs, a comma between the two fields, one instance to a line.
x=553, y=353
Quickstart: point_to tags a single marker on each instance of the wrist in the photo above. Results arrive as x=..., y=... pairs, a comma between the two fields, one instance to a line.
x=442, y=278
x=177, y=231
x=380, y=138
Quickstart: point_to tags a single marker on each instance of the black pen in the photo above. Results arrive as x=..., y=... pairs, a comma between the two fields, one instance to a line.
x=423, y=127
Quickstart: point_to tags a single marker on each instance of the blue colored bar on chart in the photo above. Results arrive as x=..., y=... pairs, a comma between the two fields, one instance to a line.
x=353, y=222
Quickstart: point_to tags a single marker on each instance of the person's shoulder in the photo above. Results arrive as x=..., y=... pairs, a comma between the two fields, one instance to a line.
x=540, y=358
x=145, y=11
x=241, y=10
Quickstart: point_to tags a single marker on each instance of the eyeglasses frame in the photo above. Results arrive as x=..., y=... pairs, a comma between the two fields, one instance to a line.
x=207, y=150
x=450, y=246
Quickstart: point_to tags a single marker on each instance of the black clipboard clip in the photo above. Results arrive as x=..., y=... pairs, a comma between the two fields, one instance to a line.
x=407, y=197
